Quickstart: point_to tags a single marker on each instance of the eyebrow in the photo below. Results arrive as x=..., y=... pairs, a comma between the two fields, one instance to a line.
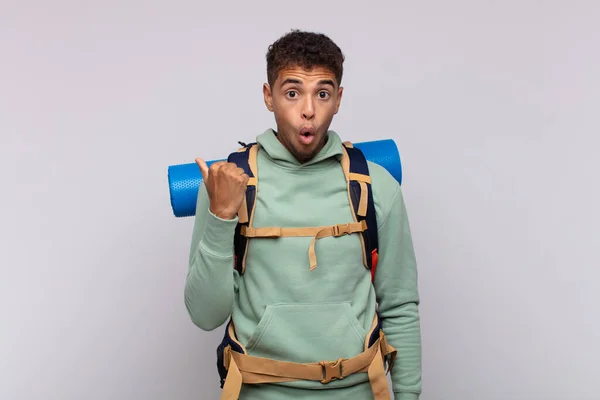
x=298, y=82
x=326, y=82
x=291, y=81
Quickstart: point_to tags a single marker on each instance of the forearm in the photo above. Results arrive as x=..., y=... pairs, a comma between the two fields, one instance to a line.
x=397, y=291
x=402, y=328
x=209, y=285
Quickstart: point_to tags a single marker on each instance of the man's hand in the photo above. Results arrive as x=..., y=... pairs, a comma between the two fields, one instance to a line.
x=226, y=187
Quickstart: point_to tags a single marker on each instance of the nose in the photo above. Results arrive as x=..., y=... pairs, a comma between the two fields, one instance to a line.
x=308, y=108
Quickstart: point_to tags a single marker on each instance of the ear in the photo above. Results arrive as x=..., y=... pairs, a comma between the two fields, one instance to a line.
x=339, y=99
x=268, y=96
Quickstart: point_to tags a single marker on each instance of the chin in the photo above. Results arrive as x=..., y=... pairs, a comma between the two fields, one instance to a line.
x=303, y=155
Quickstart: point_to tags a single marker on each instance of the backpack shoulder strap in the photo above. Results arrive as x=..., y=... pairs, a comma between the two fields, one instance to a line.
x=360, y=193
x=245, y=158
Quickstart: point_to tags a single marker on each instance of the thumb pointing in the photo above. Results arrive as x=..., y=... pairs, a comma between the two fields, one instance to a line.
x=203, y=168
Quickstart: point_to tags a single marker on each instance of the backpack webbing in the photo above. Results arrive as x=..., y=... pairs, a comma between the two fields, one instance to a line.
x=360, y=195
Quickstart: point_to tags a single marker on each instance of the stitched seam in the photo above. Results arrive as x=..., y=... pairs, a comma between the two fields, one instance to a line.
x=212, y=253
x=389, y=210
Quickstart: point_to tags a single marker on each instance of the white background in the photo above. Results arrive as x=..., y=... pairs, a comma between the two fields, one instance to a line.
x=494, y=106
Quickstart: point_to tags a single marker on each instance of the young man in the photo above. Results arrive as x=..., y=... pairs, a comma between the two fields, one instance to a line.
x=298, y=299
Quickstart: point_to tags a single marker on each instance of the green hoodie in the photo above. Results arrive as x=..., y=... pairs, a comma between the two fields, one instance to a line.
x=284, y=311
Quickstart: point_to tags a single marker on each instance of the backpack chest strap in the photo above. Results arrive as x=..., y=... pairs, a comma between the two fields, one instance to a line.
x=317, y=232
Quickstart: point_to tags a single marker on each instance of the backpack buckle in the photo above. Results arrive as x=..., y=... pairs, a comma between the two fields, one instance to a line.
x=340, y=230
x=332, y=370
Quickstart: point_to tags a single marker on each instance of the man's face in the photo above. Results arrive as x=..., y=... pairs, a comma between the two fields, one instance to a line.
x=304, y=103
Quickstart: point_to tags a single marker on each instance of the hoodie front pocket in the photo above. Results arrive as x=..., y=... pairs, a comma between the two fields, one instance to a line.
x=307, y=332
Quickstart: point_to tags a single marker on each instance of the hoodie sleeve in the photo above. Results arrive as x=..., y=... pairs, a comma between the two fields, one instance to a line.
x=397, y=294
x=209, y=286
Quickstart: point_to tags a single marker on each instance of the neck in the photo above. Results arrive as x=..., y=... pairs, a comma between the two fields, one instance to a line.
x=303, y=161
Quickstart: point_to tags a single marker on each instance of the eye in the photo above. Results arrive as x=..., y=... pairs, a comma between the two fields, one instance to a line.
x=323, y=94
x=291, y=94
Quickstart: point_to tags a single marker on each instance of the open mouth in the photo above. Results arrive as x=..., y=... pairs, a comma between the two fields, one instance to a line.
x=307, y=135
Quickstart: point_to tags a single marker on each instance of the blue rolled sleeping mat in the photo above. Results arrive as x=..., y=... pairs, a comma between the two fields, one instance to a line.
x=185, y=179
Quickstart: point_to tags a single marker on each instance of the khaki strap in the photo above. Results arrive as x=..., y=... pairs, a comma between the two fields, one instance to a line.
x=233, y=383
x=243, y=211
x=364, y=198
x=345, y=162
x=359, y=177
x=252, y=160
x=316, y=232
x=252, y=163
x=362, y=206
x=321, y=231
x=377, y=378
x=247, y=369
x=362, y=181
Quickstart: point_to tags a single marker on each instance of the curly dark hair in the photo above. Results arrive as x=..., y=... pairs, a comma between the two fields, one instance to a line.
x=304, y=49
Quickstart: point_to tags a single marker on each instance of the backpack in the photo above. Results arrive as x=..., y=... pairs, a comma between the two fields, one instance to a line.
x=356, y=171
x=360, y=194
